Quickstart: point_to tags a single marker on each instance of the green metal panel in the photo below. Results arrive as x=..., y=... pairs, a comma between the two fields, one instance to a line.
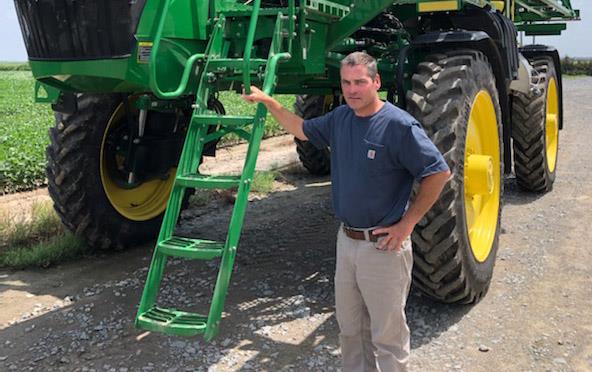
x=109, y=75
x=541, y=17
x=187, y=19
x=519, y=10
x=314, y=60
x=542, y=29
x=544, y=10
x=184, y=19
x=46, y=93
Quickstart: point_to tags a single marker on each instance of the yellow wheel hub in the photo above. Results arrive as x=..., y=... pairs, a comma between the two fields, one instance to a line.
x=482, y=176
x=140, y=203
x=552, y=125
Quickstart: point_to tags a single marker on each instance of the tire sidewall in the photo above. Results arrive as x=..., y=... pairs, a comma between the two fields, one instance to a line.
x=479, y=272
x=107, y=228
x=443, y=90
x=316, y=161
x=529, y=129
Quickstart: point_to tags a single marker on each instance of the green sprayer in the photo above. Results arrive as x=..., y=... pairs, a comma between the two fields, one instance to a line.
x=135, y=90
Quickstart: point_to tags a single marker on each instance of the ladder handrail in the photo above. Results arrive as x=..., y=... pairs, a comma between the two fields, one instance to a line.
x=272, y=66
x=291, y=23
x=237, y=217
x=230, y=249
x=249, y=46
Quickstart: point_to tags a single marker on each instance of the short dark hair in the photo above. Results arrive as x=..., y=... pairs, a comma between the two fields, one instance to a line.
x=363, y=59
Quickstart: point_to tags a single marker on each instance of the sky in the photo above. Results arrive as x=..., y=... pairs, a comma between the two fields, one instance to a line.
x=570, y=43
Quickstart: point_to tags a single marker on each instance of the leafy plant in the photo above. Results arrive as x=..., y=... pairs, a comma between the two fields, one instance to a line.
x=263, y=181
x=23, y=133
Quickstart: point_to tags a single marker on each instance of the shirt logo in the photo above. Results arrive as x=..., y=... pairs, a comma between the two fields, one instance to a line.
x=371, y=154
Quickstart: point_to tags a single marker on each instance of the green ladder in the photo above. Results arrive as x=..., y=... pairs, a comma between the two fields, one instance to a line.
x=176, y=322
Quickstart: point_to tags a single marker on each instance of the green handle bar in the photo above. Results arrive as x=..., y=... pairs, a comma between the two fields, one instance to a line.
x=186, y=71
x=271, y=66
x=249, y=45
x=191, y=61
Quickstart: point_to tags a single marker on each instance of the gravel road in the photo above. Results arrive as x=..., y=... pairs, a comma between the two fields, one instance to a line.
x=279, y=313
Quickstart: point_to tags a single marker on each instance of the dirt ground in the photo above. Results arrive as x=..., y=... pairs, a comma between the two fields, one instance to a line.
x=279, y=313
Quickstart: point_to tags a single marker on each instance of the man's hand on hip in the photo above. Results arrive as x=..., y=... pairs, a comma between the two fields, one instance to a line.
x=429, y=190
x=396, y=235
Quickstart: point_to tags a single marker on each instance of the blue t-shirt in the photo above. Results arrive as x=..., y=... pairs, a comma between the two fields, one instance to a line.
x=374, y=162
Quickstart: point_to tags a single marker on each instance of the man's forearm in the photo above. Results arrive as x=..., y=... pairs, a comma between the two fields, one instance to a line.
x=290, y=121
x=429, y=191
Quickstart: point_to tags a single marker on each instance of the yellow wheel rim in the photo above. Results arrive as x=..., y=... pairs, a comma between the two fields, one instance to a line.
x=552, y=125
x=482, y=176
x=142, y=202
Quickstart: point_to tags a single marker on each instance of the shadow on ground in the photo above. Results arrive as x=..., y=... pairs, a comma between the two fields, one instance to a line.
x=279, y=309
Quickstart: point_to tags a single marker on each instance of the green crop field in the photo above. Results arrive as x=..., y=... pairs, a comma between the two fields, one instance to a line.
x=23, y=133
x=24, y=125
x=14, y=66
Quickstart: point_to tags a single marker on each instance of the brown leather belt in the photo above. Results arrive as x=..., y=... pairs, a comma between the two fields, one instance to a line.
x=359, y=235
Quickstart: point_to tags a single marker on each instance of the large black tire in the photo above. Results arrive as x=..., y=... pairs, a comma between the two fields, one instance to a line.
x=534, y=162
x=317, y=162
x=443, y=94
x=75, y=182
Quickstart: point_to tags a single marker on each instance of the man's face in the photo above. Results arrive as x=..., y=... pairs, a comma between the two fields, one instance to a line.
x=359, y=90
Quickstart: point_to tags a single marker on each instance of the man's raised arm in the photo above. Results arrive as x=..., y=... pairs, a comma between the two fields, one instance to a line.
x=291, y=122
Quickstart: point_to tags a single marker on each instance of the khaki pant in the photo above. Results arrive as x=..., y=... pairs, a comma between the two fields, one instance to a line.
x=371, y=288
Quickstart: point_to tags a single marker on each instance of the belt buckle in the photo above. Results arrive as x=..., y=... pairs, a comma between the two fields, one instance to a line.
x=352, y=233
x=374, y=238
x=364, y=234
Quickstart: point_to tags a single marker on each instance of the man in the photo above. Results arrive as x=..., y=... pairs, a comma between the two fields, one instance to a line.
x=377, y=152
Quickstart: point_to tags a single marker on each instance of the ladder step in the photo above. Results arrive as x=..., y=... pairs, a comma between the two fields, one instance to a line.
x=171, y=321
x=203, y=181
x=223, y=120
x=191, y=248
x=235, y=64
